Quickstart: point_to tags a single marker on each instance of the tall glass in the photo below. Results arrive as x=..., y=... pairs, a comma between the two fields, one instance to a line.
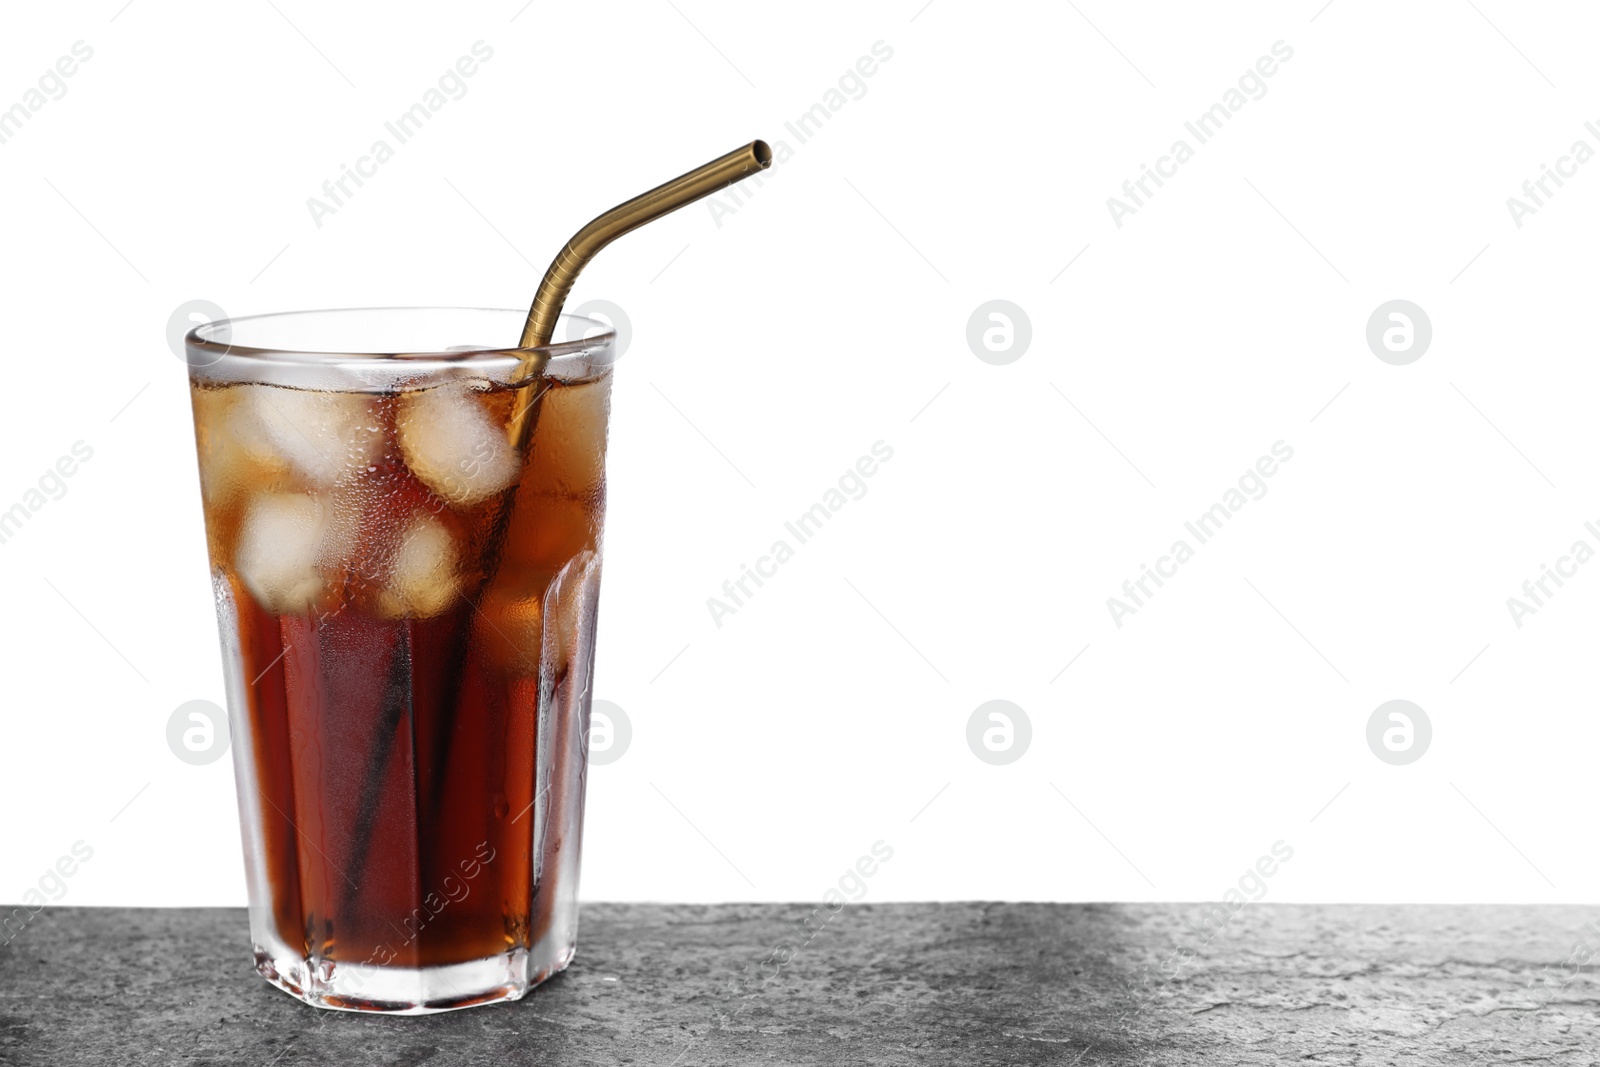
x=407, y=607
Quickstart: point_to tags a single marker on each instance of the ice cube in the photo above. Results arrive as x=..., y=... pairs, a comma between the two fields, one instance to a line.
x=547, y=531
x=580, y=586
x=453, y=446
x=276, y=557
x=569, y=439
x=512, y=624
x=326, y=437
x=231, y=465
x=536, y=618
x=423, y=580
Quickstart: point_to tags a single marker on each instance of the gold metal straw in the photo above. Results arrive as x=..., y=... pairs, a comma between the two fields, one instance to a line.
x=564, y=270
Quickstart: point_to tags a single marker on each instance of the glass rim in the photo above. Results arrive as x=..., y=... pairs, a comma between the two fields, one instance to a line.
x=211, y=350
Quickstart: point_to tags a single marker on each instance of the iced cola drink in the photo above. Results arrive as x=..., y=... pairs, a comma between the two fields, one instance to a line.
x=407, y=607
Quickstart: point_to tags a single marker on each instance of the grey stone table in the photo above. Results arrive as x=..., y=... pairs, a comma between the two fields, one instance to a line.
x=881, y=984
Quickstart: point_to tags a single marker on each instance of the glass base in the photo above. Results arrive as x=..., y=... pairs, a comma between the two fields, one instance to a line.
x=411, y=990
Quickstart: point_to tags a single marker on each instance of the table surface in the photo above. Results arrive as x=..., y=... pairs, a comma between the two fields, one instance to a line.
x=884, y=984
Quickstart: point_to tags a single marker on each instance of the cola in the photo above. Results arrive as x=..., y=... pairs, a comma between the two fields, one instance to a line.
x=407, y=597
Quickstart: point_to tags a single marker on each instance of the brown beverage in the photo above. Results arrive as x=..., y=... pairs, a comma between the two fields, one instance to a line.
x=408, y=611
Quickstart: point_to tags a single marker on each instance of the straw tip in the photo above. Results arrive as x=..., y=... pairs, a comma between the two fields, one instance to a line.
x=762, y=153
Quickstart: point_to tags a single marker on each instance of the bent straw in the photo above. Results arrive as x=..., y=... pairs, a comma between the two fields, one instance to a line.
x=564, y=269
x=540, y=328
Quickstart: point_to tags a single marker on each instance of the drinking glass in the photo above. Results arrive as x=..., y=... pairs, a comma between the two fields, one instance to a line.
x=407, y=609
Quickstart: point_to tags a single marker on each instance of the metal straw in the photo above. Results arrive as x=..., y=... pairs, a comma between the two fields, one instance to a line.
x=536, y=333
x=552, y=293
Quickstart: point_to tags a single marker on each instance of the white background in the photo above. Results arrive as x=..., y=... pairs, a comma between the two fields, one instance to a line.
x=825, y=314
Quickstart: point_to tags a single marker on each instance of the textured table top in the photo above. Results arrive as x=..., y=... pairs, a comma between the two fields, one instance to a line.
x=882, y=984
